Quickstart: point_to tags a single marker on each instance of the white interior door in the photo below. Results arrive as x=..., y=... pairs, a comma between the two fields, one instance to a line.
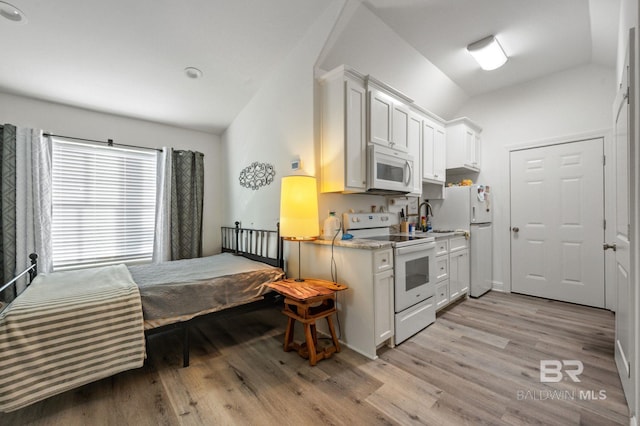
x=557, y=222
x=625, y=312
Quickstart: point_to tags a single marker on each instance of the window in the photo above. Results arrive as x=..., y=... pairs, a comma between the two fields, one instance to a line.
x=104, y=202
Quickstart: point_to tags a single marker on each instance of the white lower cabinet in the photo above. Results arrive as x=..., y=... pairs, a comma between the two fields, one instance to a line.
x=365, y=309
x=442, y=276
x=442, y=268
x=459, y=273
x=383, y=299
x=442, y=294
x=452, y=269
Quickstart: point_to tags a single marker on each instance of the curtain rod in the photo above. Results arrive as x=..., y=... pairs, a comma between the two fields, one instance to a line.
x=109, y=142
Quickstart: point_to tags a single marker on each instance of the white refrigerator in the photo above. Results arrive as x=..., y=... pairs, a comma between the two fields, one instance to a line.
x=469, y=208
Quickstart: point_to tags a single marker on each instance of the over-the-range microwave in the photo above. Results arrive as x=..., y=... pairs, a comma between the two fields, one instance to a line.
x=389, y=171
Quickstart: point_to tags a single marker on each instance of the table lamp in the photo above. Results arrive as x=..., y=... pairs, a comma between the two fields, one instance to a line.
x=299, y=211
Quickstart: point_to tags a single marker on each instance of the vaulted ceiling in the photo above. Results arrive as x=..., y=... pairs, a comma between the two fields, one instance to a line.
x=540, y=37
x=128, y=57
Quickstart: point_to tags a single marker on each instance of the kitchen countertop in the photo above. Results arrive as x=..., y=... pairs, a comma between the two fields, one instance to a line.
x=356, y=243
x=439, y=235
x=363, y=243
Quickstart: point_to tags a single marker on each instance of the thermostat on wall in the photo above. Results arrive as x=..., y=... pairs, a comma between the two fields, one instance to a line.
x=296, y=164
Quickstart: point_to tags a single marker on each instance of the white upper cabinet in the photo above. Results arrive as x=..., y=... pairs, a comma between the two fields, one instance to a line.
x=428, y=145
x=415, y=149
x=434, y=151
x=381, y=116
x=388, y=120
x=343, y=145
x=463, y=145
x=440, y=154
x=400, y=127
x=357, y=110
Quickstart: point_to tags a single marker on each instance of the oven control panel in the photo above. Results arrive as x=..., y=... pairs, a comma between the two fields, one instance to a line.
x=368, y=220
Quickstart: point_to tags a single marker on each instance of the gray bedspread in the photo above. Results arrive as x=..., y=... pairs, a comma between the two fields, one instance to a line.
x=182, y=289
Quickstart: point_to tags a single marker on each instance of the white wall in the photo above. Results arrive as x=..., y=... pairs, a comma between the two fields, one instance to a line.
x=282, y=122
x=628, y=19
x=76, y=122
x=276, y=126
x=556, y=107
x=371, y=47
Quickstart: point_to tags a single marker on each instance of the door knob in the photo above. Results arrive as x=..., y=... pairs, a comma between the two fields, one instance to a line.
x=515, y=229
x=606, y=246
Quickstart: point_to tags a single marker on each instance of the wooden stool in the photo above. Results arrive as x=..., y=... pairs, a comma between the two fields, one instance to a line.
x=306, y=302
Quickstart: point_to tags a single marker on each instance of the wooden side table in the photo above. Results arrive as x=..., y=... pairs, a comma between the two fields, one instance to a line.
x=307, y=301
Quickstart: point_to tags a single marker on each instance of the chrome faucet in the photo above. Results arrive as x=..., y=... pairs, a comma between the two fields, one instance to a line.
x=428, y=210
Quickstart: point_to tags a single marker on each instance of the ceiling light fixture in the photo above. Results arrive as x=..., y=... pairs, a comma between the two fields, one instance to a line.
x=488, y=53
x=193, y=72
x=12, y=13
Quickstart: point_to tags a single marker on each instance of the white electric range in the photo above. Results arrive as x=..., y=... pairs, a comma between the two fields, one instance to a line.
x=414, y=269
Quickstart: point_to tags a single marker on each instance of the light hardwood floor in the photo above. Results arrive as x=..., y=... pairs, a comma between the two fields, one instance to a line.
x=478, y=364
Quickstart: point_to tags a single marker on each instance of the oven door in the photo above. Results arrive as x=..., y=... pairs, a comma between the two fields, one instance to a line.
x=414, y=274
x=389, y=170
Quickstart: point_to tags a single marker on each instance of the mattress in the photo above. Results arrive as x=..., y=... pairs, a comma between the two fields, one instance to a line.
x=183, y=289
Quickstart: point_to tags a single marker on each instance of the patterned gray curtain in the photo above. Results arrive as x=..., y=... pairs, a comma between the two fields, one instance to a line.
x=187, y=191
x=7, y=206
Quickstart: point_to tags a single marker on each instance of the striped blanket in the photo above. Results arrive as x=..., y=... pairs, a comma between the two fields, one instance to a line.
x=68, y=329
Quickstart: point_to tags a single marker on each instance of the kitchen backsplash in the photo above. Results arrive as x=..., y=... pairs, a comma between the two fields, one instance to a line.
x=342, y=203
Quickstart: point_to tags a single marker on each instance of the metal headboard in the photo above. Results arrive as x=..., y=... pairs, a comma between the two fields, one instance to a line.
x=255, y=244
x=32, y=270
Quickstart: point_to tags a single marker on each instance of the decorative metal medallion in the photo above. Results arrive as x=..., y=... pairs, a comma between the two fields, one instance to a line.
x=257, y=175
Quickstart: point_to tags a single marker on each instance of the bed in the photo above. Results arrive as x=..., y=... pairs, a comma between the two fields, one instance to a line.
x=250, y=259
x=60, y=333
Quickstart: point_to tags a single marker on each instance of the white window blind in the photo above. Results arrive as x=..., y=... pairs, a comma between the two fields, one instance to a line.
x=104, y=202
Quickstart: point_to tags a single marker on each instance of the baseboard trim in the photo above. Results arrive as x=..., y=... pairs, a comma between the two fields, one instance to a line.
x=498, y=286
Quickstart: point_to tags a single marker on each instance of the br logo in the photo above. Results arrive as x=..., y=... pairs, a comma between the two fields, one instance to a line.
x=551, y=370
